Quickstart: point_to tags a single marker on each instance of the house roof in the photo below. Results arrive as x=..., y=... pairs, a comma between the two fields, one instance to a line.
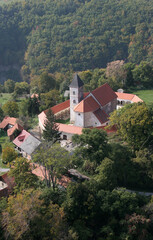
x=87, y=105
x=26, y=142
x=30, y=144
x=136, y=99
x=104, y=94
x=8, y=120
x=101, y=116
x=128, y=96
x=76, y=82
x=34, y=95
x=69, y=129
x=59, y=107
x=20, y=138
x=17, y=126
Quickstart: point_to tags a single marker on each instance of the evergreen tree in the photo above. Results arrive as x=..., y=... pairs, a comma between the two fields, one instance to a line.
x=51, y=131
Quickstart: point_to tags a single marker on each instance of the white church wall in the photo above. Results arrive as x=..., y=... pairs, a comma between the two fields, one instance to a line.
x=79, y=119
x=76, y=95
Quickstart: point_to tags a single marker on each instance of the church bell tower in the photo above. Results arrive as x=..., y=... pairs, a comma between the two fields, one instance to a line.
x=76, y=95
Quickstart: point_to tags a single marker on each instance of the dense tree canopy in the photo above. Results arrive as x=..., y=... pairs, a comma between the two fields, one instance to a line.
x=11, y=109
x=79, y=35
x=135, y=124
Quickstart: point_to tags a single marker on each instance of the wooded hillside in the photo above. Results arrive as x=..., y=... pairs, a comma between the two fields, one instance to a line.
x=73, y=34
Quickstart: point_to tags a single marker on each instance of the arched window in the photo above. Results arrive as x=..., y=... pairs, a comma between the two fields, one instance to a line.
x=74, y=101
x=73, y=92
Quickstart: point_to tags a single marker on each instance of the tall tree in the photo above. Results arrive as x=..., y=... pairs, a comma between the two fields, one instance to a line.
x=92, y=145
x=9, y=86
x=28, y=217
x=135, y=124
x=11, y=109
x=22, y=172
x=46, y=82
x=33, y=106
x=106, y=176
x=51, y=131
x=54, y=161
x=8, y=154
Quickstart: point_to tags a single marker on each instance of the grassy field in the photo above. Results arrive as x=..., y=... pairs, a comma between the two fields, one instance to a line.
x=67, y=121
x=4, y=97
x=145, y=95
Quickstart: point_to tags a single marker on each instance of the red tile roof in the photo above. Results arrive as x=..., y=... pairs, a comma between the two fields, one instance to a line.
x=69, y=129
x=104, y=94
x=127, y=96
x=42, y=117
x=17, y=126
x=34, y=95
x=8, y=120
x=101, y=116
x=87, y=105
x=59, y=107
x=136, y=99
x=22, y=136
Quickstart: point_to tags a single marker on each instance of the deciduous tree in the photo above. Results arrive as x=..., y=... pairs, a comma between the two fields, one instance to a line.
x=92, y=145
x=9, y=86
x=55, y=161
x=8, y=154
x=11, y=109
x=22, y=172
x=106, y=176
x=134, y=123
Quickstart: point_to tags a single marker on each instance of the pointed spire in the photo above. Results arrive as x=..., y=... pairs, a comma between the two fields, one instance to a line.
x=76, y=82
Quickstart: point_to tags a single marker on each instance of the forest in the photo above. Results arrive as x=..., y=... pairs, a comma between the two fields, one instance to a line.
x=59, y=36
x=42, y=44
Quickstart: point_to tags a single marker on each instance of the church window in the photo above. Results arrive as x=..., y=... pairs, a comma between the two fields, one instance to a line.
x=79, y=114
x=74, y=101
x=73, y=92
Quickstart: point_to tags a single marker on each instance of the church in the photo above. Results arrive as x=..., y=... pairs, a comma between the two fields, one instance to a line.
x=87, y=110
x=93, y=109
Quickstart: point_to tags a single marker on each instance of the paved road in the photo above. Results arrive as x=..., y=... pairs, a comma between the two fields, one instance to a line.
x=132, y=191
x=141, y=193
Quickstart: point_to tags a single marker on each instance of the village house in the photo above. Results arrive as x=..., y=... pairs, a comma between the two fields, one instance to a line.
x=126, y=98
x=10, y=125
x=26, y=144
x=86, y=110
x=7, y=123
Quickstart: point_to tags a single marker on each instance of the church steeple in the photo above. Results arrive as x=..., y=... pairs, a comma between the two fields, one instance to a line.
x=76, y=95
x=76, y=82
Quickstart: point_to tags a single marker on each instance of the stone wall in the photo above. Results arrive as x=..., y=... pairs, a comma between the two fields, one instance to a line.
x=110, y=107
x=91, y=120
